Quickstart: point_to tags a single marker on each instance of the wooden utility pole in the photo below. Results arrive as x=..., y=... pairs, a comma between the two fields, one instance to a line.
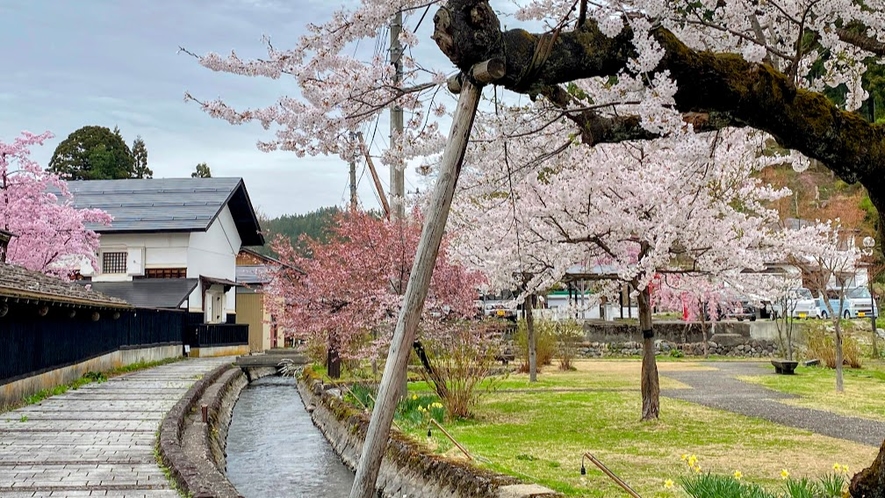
x=397, y=173
x=353, y=202
x=419, y=281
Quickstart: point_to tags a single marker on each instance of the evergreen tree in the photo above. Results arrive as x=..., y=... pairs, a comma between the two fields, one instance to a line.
x=140, y=159
x=315, y=225
x=93, y=153
x=202, y=171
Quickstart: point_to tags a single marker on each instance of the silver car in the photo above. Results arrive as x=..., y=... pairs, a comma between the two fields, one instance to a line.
x=800, y=304
x=862, y=304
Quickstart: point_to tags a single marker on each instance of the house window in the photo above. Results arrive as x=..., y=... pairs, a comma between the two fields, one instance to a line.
x=165, y=273
x=113, y=262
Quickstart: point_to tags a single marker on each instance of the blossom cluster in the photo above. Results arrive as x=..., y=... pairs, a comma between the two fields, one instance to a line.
x=36, y=206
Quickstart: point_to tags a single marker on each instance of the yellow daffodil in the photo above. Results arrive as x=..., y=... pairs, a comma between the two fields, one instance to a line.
x=668, y=484
x=692, y=461
x=845, y=469
x=414, y=397
x=697, y=469
x=784, y=474
x=837, y=467
x=738, y=475
x=684, y=457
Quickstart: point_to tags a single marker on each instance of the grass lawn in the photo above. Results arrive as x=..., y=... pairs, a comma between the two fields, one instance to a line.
x=816, y=386
x=540, y=431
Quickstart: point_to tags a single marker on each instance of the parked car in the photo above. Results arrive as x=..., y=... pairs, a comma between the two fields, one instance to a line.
x=845, y=310
x=862, y=304
x=742, y=310
x=500, y=310
x=802, y=304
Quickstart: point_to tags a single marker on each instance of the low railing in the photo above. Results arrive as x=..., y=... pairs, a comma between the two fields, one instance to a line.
x=217, y=334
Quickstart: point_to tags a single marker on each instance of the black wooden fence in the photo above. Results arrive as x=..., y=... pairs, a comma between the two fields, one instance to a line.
x=31, y=344
x=216, y=334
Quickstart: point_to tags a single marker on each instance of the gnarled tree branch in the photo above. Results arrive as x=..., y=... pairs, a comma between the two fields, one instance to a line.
x=736, y=92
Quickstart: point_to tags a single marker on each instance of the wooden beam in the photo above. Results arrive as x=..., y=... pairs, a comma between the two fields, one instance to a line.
x=416, y=291
x=378, y=187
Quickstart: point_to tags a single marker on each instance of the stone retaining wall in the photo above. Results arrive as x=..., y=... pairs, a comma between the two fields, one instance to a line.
x=757, y=339
x=744, y=347
x=407, y=471
x=193, y=451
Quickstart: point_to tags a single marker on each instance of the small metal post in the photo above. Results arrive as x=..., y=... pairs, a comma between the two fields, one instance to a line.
x=205, y=410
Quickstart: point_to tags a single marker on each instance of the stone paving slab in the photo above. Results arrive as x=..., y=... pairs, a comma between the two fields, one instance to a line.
x=98, y=440
x=33, y=415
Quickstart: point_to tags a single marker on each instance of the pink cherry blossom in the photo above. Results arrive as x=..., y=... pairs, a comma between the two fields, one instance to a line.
x=35, y=205
x=347, y=292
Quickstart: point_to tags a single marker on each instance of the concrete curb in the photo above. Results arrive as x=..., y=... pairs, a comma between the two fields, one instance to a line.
x=194, y=458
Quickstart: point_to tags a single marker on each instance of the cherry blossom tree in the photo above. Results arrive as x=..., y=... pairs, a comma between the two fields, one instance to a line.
x=701, y=298
x=344, y=293
x=35, y=205
x=828, y=257
x=595, y=72
x=643, y=211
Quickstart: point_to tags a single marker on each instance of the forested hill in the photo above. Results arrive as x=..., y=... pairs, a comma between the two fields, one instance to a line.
x=313, y=224
x=818, y=195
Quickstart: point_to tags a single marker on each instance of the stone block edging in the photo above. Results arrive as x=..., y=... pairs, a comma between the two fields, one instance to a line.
x=185, y=445
x=408, y=470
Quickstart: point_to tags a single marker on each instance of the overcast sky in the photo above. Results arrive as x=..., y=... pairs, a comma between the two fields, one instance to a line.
x=69, y=64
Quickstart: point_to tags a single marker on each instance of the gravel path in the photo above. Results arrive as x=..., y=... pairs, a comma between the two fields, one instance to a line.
x=720, y=389
x=98, y=440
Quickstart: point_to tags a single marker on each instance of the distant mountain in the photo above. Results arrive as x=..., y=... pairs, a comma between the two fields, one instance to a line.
x=313, y=224
x=819, y=194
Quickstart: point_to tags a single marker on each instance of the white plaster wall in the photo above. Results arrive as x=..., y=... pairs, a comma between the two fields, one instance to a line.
x=213, y=253
x=161, y=250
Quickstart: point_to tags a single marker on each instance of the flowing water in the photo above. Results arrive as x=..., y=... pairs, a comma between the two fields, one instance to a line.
x=274, y=450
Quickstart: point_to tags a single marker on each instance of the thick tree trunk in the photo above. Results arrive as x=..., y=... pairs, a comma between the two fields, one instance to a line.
x=531, y=338
x=650, y=385
x=870, y=482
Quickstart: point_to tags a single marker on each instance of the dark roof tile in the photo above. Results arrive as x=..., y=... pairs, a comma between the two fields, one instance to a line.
x=18, y=282
x=168, y=204
x=150, y=292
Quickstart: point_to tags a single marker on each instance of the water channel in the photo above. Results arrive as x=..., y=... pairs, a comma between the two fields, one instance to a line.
x=274, y=450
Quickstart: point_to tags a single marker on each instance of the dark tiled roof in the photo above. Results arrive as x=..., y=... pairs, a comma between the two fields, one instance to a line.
x=169, y=204
x=18, y=282
x=150, y=292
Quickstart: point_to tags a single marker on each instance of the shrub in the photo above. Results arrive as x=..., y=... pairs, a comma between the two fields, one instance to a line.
x=569, y=334
x=545, y=343
x=821, y=344
x=459, y=356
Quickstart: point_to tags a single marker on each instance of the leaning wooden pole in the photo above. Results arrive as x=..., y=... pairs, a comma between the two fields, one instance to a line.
x=416, y=291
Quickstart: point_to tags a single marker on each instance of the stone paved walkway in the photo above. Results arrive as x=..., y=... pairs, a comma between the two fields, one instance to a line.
x=721, y=389
x=98, y=440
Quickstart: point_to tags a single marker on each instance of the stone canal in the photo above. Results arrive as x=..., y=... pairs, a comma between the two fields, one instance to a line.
x=274, y=450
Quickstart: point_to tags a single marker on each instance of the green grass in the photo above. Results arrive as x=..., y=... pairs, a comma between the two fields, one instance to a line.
x=816, y=388
x=540, y=435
